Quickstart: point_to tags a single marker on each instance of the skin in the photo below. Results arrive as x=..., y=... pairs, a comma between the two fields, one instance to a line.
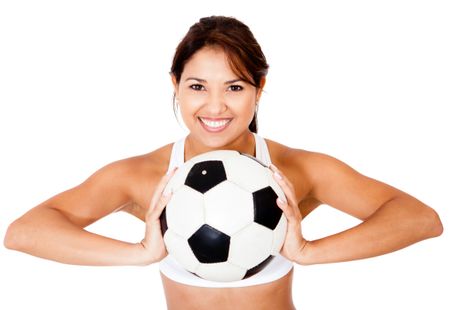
x=391, y=219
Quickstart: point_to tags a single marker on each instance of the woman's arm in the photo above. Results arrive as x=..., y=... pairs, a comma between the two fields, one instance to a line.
x=399, y=222
x=391, y=219
x=54, y=229
x=46, y=232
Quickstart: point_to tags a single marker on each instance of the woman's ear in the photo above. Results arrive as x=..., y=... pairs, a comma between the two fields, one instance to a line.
x=175, y=84
x=261, y=87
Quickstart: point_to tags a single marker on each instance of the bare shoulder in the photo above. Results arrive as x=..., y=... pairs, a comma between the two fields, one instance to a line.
x=142, y=174
x=123, y=185
x=293, y=162
x=296, y=165
x=319, y=178
x=154, y=163
x=310, y=165
x=137, y=169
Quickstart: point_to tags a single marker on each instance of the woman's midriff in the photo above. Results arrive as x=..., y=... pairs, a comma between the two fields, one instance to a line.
x=272, y=295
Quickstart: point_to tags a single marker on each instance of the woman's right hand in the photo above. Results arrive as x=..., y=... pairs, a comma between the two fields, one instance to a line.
x=153, y=243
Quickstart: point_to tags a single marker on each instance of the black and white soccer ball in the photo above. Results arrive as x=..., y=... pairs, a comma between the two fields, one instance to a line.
x=222, y=222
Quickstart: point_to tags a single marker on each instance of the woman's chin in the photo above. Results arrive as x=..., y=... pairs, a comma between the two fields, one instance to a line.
x=215, y=142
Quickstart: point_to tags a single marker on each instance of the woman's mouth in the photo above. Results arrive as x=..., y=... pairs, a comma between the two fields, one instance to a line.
x=214, y=125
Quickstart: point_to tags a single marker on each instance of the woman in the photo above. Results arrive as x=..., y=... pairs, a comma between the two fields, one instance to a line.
x=218, y=73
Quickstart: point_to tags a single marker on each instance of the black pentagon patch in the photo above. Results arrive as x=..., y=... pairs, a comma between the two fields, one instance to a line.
x=258, y=267
x=205, y=175
x=163, y=221
x=210, y=245
x=254, y=158
x=267, y=212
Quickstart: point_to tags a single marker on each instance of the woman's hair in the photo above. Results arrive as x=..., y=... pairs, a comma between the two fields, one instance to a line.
x=244, y=54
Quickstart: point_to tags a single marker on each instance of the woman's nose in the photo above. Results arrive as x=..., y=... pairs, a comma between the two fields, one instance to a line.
x=216, y=104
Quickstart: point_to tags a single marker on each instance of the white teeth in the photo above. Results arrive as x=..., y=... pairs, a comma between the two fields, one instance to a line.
x=215, y=124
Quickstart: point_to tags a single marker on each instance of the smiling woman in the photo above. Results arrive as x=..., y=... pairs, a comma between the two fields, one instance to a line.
x=216, y=100
x=218, y=74
x=232, y=38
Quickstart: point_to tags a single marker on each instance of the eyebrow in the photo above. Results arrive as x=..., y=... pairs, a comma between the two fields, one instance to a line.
x=204, y=81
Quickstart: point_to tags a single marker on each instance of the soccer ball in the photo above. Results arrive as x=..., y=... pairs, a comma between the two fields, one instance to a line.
x=222, y=222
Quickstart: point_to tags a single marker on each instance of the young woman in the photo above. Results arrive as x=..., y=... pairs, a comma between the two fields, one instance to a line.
x=218, y=73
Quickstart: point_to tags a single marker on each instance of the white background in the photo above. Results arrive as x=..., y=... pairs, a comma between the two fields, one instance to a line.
x=84, y=83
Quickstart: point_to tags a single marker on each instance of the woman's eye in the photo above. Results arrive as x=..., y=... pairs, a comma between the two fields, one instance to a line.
x=197, y=87
x=236, y=88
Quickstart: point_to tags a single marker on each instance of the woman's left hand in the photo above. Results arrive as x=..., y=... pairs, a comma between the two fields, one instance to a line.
x=294, y=242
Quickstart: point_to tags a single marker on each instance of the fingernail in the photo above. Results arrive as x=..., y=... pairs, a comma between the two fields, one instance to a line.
x=277, y=175
x=282, y=201
x=171, y=171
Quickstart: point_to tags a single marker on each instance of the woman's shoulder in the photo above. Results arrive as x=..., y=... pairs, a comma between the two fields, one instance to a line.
x=136, y=172
x=153, y=163
x=140, y=174
x=292, y=161
x=310, y=169
x=295, y=163
x=283, y=155
x=306, y=166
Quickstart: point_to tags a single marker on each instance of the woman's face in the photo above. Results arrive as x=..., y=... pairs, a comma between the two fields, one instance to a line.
x=215, y=104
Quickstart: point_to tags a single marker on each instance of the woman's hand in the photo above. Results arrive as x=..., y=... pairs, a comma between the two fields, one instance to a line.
x=153, y=242
x=294, y=243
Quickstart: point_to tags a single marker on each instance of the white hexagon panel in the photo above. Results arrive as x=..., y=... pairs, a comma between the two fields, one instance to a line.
x=251, y=246
x=228, y=208
x=246, y=172
x=179, y=248
x=221, y=272
x=185, y=212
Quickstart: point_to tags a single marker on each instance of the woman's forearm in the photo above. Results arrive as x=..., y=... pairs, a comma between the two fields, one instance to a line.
x=47, y=233
x=398, y=223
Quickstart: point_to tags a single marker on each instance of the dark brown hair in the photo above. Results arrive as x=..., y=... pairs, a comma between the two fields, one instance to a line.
x=244, y=54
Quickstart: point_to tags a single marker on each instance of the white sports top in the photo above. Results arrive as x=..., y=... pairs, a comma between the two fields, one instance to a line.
x=278, y=266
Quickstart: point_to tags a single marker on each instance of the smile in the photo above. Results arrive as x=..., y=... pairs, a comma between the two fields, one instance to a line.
x=214, y=125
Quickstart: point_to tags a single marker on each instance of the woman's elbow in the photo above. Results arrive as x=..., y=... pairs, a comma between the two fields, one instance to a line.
x=14, y=237
x=432, y=224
